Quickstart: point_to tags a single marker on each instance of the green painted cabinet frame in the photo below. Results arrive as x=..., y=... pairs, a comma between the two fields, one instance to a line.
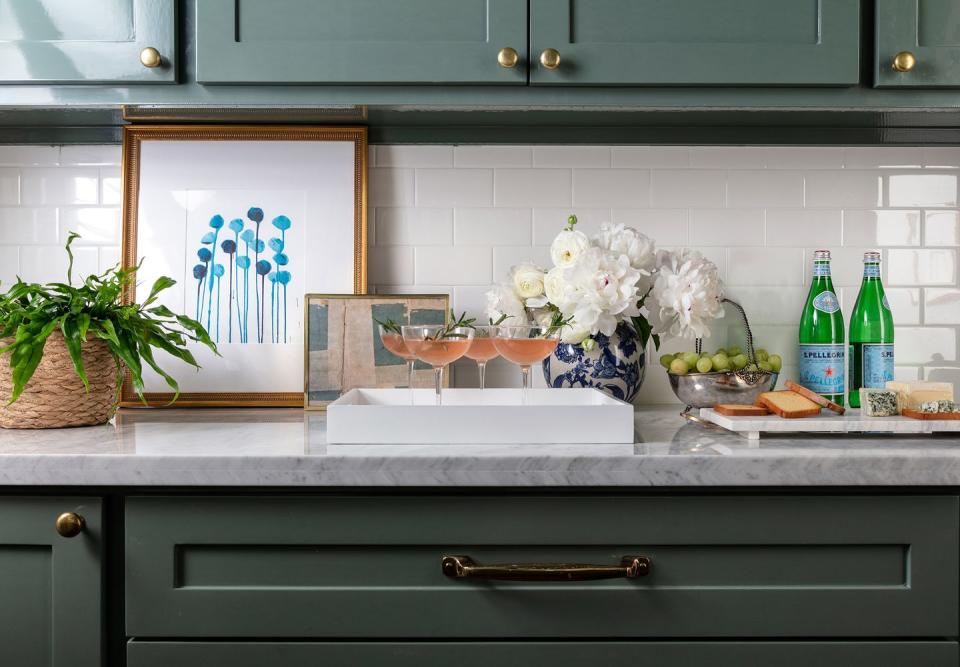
x=50, y=586
x=696, y=42
x=930, y=30
x=54, y=43
x=360, y=42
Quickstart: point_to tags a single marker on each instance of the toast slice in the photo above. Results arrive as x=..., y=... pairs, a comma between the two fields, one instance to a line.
x=788, y=404
x=740, y=410
x=815, y=397
x=916, y=414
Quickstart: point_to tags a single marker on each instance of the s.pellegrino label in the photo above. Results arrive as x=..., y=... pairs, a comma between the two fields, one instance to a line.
x=871, y=333
x=822, y=351
x=821, y=368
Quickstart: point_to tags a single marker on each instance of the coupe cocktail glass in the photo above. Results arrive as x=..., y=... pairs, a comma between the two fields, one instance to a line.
x=393, y=341
x=482, y=349
x=526, y=345
x=437, y=345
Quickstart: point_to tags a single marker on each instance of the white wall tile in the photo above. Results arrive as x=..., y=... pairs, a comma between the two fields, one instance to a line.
x=533, y=187
x=941, y=228
x=621, y=188
x=390, y=187
x=96, y=225
x=488, y=226
x=571, y=156
x=666, y=226
x=390, y=265
x=724, y=227
x=881, y=228
x=941, y=305
x=90, y=156
x=54, y=186
x=775, y=266
x=662, y=157
x=30, y=156
x=927, y=188
x=9, y=187
x=764, y=189
x=839, y=189
x=693, y=188
x=944, y=157
x=492, y=156
x=463, y=265
x=768, y=305
x=922, y=345
x=472, y=299
x=43, y=264
x=728, y=157
x=804, y=157
x=109, y=257
x=454, y=187
x=883, y=157
x=414, y=226
x=414, y=156
x=921, y=267
x=797, y=227
x=547, y=222
x=110, y=194
x=906, y=373
x=9, y=265
x=28, y=226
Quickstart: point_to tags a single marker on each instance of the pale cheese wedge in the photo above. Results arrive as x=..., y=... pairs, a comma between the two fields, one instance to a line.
x=913, y=394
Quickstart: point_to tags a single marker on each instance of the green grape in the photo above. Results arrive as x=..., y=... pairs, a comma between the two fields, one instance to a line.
x=739, y=361
x=721, y=362
x=753, y=367
x=762, y=355
x=733, y=351
x=765, y=366
x=704, y=365
x=690, y=358
x=679, y=367
x=666, y=359
x=720, y=350
x=705, y=355
x=776, y=362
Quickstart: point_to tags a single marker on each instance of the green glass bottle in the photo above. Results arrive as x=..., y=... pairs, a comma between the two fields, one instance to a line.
x=821, y=334
x=871, y=333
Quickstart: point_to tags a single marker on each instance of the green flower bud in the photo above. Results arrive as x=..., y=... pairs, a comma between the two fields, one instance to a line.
x=589, y=344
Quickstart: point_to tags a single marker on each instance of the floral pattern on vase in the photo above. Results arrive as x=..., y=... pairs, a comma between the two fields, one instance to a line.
x=616, y=365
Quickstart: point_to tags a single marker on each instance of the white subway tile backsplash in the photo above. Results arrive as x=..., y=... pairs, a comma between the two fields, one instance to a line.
x=453, y=219
x=485, y=226
x=724, y=227
x=621, y=188
x=839, y=189
x=470, y=265
x=793, y=228
x=881, y=228
x=414, y=226
x=688, y=188
x=941, y=228
x=533, y=187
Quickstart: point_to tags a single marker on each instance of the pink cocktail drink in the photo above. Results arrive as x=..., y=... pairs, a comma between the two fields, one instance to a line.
x=438, y=352
x=526, y=351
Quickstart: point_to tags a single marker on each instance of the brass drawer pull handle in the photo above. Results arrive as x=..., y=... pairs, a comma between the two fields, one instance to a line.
x=462, y=567
x=70, y=524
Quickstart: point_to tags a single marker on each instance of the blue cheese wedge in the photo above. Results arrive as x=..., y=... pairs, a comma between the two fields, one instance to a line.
x=879, y=402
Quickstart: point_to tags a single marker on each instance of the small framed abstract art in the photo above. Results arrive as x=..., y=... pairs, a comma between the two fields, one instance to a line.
x=246, y=219
x=344, y=349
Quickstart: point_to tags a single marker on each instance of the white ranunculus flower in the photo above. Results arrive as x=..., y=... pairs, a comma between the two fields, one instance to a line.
x=501, y=300
x=603, y=291
x=555, y=286
x=686, y=295
x=527, y=280
x=568, y=247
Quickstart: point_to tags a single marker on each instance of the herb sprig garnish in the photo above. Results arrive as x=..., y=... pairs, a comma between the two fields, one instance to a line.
x=558, y=322
x=390, y=326
x=448, y=331
x=499, y=321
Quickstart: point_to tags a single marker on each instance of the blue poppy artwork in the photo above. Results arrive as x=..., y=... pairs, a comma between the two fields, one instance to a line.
x=247, y=254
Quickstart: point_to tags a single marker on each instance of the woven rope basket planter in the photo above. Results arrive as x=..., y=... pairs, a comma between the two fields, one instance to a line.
x=55, y=397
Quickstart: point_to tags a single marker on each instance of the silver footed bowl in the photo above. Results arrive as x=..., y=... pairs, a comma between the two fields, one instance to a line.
x=704, y=390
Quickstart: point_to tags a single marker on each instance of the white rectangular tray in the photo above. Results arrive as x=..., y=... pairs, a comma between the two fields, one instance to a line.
x=828, y=422
x=474, y=416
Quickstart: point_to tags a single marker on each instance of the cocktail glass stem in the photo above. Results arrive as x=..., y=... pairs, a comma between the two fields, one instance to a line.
x=525, y=373
x=410, y=363
x=438, y=371
x=482, y=369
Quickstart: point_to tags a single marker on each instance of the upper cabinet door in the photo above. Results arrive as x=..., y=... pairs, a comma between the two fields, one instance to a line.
x=362, y=41
x=918, y=44
x=93, y=41
x=695, y=42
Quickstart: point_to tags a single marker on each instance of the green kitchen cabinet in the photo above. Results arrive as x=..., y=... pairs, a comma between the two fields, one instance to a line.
x=695, y=42
x=90, y=42
x=917, y=44
x=543, y=654
x=50, y=585
x=361, y=41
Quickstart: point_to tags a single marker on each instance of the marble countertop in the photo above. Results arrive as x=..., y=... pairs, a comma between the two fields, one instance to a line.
x=288, y=448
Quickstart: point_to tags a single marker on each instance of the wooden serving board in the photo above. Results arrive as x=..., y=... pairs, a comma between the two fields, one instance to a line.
x=931, y=416
x=828, y=422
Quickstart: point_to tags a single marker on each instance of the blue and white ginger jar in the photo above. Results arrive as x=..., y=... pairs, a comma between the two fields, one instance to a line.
x=616, y=365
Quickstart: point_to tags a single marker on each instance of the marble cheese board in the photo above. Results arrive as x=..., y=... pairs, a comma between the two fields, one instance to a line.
x=479, y=416
x=828, y=422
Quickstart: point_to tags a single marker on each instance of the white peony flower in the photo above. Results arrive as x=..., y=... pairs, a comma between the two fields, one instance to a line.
x=622, y=240
x=568, y=247
x=527, y=280
x=501, y=300
x=602, y=291
x=686, y=295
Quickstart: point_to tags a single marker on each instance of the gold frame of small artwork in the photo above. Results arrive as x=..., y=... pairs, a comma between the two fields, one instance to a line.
x=134, y=135
x=306, y=333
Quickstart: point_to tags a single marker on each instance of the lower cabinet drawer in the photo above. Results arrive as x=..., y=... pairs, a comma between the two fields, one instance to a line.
x=541, y=654
x=370, y=567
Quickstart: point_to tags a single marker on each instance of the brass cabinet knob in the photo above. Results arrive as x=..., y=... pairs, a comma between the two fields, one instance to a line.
x=904, y=61
x=508, y=57
x=550, y=58
x=70, y=524
x=150, y=57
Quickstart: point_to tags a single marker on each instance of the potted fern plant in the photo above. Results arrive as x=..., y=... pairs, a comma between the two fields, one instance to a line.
x=64, y=347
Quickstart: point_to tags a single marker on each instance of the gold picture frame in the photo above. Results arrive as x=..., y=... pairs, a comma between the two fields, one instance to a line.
x=133, y=139
x=406, y=298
